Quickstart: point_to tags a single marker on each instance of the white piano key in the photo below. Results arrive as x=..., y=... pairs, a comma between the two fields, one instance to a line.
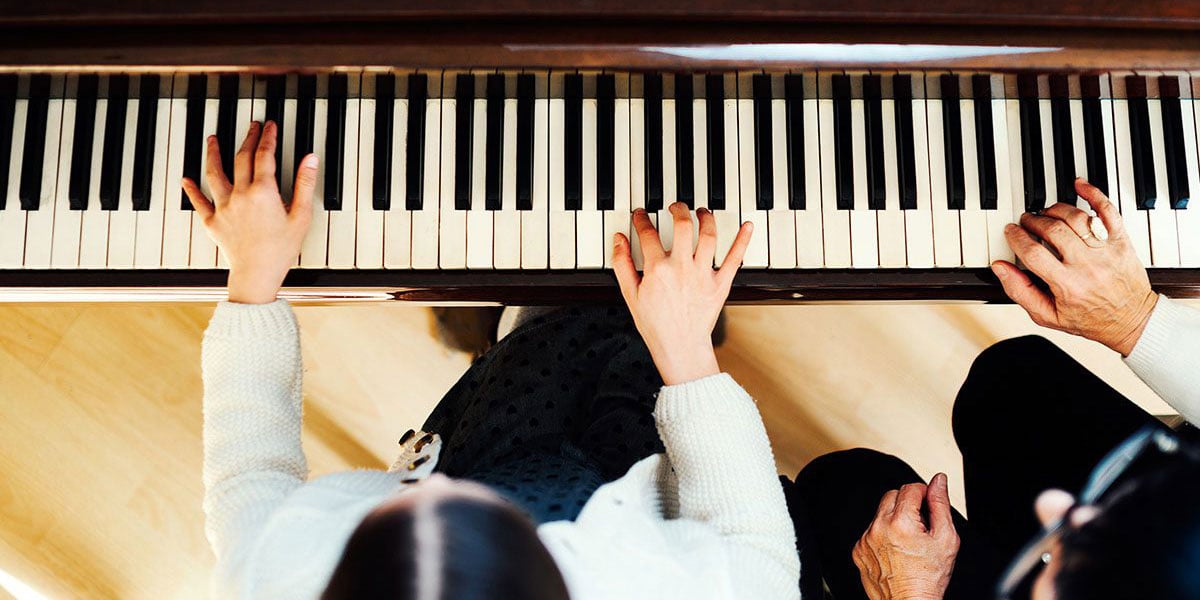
x=1164, y=234
x=39, y=224
x=617, y=220
x=947, y=245
x=998, y=248
x=1110, y=144
x=12, y=218
x=1082, y=169
x=562, y=221
x=1012, y=118
x=204, y=250
x=864, y=227
x=972, y=219
x=258, y=104
x=810, y=242
x=781, y=220
x=368, y=237
x=314, y=250
x=479, y=218
x=397, y=221
x=64, y=252
x=93, y=239
x=590, y=246
x=918, y=222
x=892, y=252
x=757, y=255
x=452, y=226
x=425, y=221
x=342, y=223
x=122, y=222
x=148, y=249
x=1187, y=219
x=637, y=173
x=1137, y=223
x=1047, y=141
x=699, y=148
x=287, y=139
x=836, y=223
x=664, y=220
x=177, y=222
x=535, y=237
x=506, y=222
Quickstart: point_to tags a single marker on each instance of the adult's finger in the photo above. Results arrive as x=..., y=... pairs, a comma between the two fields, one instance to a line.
x=648, y=236
x=302, y=191
x=243, y=161
x=264, y=156
x=682, y=244
x=706, y=246
x=941, y=515
x=214, y=172
x=627, y=275
x=1109, y=215
x=909, y=500
x=887, y=504
x=1057, y=233
x=733, y=260
x=204, y=206
x=1033, y=254
x=1020, y=289
x=1079, y=222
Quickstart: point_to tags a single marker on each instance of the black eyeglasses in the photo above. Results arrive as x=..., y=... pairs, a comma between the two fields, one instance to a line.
x=1111, y=469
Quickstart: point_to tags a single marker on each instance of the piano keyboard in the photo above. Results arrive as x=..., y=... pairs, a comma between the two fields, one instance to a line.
x=537, y=170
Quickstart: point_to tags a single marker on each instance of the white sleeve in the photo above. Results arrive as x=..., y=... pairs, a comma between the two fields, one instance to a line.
x=1167, y=356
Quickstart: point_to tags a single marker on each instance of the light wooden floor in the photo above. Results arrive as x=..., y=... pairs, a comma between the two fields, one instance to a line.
x=100, y=416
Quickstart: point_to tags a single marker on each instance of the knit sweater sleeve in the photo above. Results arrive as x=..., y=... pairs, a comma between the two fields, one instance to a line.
x=252, y=415
x=716, y=442
x=1167, y=356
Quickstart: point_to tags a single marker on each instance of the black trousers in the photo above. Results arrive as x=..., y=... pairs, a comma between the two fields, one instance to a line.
x=1028, y=418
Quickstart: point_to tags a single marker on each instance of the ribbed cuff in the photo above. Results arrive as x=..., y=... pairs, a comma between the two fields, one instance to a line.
x=256, y=320
x=712, y=394
x=1164, y=320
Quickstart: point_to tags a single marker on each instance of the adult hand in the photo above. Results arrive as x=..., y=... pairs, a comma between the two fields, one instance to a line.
x=259, y=235
x=676, y=301
x=1098, y=287
x=900, y=557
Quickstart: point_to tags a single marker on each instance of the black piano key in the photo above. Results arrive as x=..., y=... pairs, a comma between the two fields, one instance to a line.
x=8, y=110
x=764, y=178
x=573, y=141
x=494, y=152
x=1032, y=168
x=1144, y=183
x=30, y=190
x=1064, y=144
x=335, y=141
x=956, y=189
x=985, y=141
x=418, y=92
x=381, y=176
x=873, y=107
x=526, y=88
x=714, y=101
x=793, y=92
x=143, y=147
x=276, y=88
x=1173, y=145
x=606, y=94
x=114, y=141
x=652, y=92
x=1093, y=133
x=906, y=162
x=81, y=150
x=306, y=108
x=685, y=174
x=227, y=92
x=464, y=120
x=194, y=144
x=843, y=158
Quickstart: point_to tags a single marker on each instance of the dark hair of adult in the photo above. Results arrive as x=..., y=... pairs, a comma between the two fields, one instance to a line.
x=482, y=550
x=1144, y=544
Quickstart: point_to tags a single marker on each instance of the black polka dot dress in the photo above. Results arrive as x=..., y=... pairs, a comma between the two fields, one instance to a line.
x=560, y=406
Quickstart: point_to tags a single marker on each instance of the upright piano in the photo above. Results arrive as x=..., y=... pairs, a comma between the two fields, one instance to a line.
x=488, y=151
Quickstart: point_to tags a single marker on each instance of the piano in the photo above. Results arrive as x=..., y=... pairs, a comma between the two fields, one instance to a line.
x=488, y=152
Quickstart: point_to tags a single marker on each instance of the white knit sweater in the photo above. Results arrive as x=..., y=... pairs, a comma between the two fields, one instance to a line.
x=706, y=520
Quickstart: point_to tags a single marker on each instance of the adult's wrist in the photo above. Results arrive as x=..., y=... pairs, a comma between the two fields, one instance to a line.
x=1125, y=341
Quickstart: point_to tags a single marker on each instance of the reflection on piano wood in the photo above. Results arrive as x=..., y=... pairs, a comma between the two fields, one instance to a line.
x=887, y=175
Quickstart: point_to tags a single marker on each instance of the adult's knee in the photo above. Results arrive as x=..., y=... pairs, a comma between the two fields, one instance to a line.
x=852, y=468
x=995, y=386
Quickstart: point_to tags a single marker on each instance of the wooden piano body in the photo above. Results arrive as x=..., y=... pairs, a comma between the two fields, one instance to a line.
x=268, y=36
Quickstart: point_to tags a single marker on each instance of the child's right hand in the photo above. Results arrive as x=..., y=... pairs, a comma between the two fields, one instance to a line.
x=258, y=234
x=676, y=301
